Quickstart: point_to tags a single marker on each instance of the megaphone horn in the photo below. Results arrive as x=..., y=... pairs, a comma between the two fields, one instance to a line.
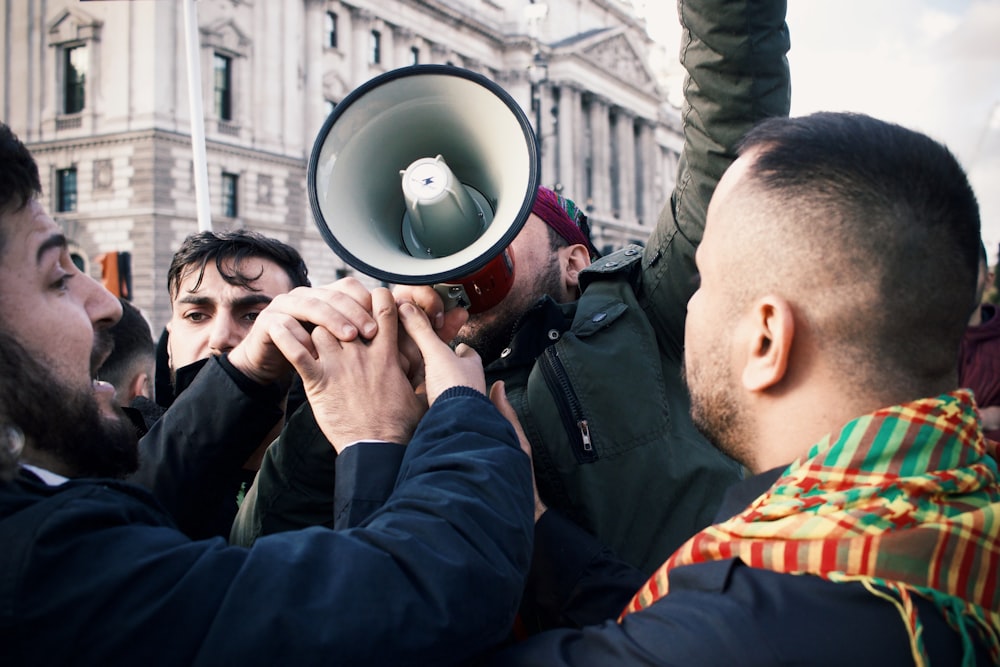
x=423, y=176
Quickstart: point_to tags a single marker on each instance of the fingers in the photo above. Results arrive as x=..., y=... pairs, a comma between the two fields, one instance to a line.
x=453, y=320
x=387, y=321
x=342, y=308
x=300, y=354
x=498, y=396
x=425, y=298
x=419, y=329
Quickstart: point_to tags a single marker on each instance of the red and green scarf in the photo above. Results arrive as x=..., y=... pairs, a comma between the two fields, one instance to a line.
x=905, y=501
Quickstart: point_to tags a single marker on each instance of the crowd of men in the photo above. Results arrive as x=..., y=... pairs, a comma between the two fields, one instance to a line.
x=741, y=444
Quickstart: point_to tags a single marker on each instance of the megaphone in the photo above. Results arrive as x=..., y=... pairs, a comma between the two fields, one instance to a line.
x=423, y=176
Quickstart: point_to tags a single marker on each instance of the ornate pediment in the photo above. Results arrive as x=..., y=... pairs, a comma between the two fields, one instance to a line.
x=225, y=35
x=618, y=57
x=73, y=24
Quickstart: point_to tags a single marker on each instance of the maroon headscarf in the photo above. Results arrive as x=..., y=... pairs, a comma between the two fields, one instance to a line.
x=563, y=216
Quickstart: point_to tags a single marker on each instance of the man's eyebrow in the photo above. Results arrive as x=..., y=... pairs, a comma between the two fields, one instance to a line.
x=239, y=302
x=195, y=300
x=54, y=241
x=256, y=299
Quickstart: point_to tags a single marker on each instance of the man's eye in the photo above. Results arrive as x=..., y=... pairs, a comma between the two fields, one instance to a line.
x=196, y=317
x=62, y=283
x=252, y=316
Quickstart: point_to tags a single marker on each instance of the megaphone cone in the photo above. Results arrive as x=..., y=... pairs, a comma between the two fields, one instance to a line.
x=424, y=175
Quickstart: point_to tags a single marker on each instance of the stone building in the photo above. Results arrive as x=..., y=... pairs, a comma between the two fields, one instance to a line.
x=99, y=92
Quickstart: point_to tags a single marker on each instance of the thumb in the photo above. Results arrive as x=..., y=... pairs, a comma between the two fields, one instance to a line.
x=420, y=330
x=498, y=396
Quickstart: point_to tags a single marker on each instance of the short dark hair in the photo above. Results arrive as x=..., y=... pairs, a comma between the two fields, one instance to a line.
x=133, y=341
x=236, y=245
x=19, y=180
x=892, y=206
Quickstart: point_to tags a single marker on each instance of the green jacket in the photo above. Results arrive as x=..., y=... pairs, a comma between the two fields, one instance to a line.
x=597, y=383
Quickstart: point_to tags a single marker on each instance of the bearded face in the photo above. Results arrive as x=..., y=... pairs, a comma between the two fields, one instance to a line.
x=60, y=422
x=715, y=408
x=489, y=332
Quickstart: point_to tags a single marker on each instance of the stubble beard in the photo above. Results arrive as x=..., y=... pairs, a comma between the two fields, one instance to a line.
x=715, y=411
x=490, y=333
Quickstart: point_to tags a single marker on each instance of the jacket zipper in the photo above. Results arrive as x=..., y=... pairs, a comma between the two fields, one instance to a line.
x=570, y=409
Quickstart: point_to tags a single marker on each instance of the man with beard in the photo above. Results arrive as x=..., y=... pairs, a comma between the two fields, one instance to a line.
x=869, y=533
x=590, y=357
x=96, y=571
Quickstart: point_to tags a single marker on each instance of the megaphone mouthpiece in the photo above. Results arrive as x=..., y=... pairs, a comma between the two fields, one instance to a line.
x=442, y=215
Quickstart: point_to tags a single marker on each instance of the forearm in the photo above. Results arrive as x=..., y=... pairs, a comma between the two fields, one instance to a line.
x=734, y=53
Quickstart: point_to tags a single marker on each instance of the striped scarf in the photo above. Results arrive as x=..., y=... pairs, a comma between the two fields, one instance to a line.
x=905, y=501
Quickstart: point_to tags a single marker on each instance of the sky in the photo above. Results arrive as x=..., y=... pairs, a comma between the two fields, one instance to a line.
x=930, y=65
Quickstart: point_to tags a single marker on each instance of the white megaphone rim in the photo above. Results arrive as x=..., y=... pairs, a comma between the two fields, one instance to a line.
x=516, y=208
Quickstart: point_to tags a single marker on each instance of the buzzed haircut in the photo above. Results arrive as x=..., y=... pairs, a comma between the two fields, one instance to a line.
x=19, y=180
x=233, y=247
x=891, y=205
x=133, y=343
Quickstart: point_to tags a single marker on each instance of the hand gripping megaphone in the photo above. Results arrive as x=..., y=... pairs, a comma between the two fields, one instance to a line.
x=423, y=176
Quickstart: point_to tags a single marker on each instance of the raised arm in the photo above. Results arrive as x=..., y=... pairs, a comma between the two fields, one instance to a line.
x=737, y=75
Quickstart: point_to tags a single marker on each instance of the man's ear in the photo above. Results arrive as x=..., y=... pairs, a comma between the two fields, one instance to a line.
x=770, y=330
x=574, y=258
x=141, y=385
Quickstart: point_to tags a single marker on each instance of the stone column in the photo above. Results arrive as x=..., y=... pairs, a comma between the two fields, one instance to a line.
x=568, y=171
x=601, y=151
x=312, y=59
x=626, y=165
x=361, y=22
x=646, y=177
x=402, y=40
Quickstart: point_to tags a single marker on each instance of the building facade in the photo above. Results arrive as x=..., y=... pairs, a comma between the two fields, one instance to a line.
x=99, y=91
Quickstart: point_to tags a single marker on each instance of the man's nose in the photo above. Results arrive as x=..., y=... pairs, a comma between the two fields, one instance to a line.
x=102, y=306
x=224, y=337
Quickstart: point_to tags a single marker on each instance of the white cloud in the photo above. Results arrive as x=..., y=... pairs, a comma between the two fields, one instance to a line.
x=936, y=24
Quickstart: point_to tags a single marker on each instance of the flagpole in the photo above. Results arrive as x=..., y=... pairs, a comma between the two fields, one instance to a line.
x=197, y=115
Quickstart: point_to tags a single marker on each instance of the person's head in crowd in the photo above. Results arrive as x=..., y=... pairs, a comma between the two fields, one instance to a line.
x=549, y=252
x=218, y=283
x=838, y=269
x=53, y=338
x=131, y=365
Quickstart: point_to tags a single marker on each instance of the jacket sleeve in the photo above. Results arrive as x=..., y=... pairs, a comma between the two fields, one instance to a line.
x=734, y=54
x=192, y=457
x=433, y=578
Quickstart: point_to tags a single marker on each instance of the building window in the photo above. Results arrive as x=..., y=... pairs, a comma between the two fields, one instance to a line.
x=331, y=30
x=376, y=54
x=230, y=192
x=66, y=190
x=223, y=87
x=74, y=79
x=414, y=55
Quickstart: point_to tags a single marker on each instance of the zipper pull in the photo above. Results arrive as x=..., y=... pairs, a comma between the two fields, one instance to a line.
x=585, y=434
